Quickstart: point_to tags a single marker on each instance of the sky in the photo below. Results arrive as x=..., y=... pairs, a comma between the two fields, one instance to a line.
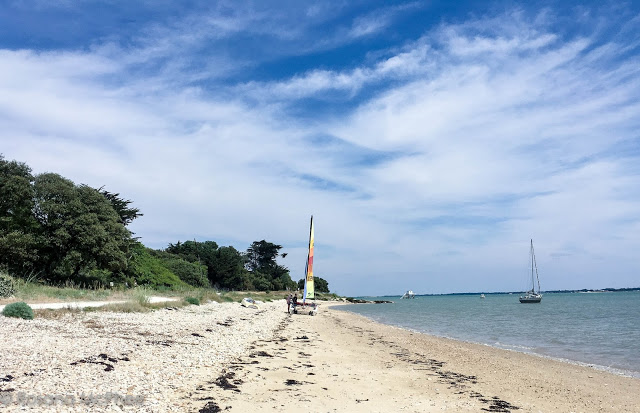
x=430, y=140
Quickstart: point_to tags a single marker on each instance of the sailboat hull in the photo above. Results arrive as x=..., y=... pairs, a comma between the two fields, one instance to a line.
x=300, y=308
x=530, y=300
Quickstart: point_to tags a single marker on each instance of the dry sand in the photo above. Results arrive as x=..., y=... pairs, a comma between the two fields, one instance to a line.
x=75, y=305
x=224, y=357
x=342, y=362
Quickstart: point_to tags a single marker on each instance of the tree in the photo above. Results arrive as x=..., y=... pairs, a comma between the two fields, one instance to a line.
x=261, y=255
x=198, y=252
x=320, y=285
x=16, y=196
x=79, y=230
x=121, y=206
x=50, y=226
x=266, y=273
x=227, y=269
x=18, y=243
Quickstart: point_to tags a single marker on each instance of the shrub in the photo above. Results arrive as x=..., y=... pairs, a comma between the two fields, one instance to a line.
x=7, y=286
x=192, y=273
x=142, y=295
x=150, y=270
x=18, y=310
x=192, y=300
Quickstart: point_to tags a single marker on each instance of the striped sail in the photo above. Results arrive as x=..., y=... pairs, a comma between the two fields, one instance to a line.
x=309, y=291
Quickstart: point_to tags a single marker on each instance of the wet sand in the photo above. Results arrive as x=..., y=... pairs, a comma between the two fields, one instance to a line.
x=342, y=362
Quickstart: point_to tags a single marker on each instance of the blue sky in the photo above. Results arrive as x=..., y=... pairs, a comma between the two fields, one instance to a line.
x=430, y=139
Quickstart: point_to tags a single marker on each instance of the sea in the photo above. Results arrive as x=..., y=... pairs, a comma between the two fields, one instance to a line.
x=598, y=329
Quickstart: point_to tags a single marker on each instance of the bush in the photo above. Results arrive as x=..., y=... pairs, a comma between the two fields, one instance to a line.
x=150, y=270
x=93, y=278
x=7, y=286
x=189, y=272
x=18, y=310
x=192, y=300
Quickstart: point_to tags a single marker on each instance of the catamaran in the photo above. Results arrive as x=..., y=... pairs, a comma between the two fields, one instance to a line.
x=309, y=290
x=532, y=296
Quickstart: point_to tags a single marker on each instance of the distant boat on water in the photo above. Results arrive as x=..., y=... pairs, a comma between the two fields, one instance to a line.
x=532, y=296
x=408, y=294
x=481, y=295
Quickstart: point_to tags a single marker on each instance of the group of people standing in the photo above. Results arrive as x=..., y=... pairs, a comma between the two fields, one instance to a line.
x=291, y=299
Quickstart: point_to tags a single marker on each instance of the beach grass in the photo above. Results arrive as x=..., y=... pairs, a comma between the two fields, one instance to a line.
x=34, y=291
x=137, y=298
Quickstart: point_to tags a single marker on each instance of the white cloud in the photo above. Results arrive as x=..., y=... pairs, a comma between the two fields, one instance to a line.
x=485, y=138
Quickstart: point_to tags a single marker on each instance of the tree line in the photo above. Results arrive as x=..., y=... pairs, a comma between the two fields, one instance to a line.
x=55, y=231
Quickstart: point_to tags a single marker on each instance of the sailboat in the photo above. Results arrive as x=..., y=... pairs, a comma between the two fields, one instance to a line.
x=408, y=294
x=309, y=290
x=532, y=296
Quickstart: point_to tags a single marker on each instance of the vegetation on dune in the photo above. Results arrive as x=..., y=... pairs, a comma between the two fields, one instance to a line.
x=56, y=233
x=192, y=300
x=138, y=299
x=18, y=310
x=7, y=286
x=26, y=290
x=147, y=269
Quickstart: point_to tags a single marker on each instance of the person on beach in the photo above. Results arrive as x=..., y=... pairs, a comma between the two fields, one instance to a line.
x=295, y=299
x=288, y=302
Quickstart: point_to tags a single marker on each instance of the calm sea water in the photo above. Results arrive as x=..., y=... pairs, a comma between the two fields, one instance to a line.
x=599, y=329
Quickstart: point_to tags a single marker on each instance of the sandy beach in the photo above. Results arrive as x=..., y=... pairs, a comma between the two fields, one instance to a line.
x=342, y=362
x=224, y=357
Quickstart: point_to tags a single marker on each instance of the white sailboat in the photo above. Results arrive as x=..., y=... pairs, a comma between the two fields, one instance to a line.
x=408, y=294
x=532, y=296
x=309, y=290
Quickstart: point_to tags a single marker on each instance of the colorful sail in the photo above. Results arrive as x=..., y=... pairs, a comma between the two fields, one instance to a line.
x=309, y=291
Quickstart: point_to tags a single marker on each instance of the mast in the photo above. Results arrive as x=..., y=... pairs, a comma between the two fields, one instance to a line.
x=533, y=284
x=536, y=265
x=309, y=290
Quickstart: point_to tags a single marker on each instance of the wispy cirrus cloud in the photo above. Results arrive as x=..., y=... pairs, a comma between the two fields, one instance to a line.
x=379, y=19
x=450, y=147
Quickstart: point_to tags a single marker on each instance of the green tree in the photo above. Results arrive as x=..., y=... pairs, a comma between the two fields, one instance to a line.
x=16, y=196
x=261, y=256
x=199, y=252
x=79, y=230
x=18, y=243
x=193, y=251
x=227, y=268
x=266, y=273
x=121, y=206
x=320, y=285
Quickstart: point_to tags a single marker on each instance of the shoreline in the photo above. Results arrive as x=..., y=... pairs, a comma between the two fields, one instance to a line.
x=341, y=361
x=218, y=357
x=595, y=366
